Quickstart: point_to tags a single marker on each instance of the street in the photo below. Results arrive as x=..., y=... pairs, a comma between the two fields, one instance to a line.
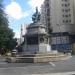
x=39, y=68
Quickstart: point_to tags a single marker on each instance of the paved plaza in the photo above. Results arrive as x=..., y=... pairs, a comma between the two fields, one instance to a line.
x=52, y=68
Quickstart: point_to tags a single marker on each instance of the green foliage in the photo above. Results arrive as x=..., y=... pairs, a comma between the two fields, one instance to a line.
x=6, y=34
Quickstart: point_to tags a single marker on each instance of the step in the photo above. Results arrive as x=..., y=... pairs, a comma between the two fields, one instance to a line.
x=37, y=59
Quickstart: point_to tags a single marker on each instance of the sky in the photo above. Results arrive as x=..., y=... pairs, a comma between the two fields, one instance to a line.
x=20, y=12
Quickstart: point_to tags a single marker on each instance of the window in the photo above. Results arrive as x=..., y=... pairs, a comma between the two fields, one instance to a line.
x=69, y=20
x=63, y=21
x=69, y=15
x=66, y=21
x=65, y=0
x=48, y=19
x=68, y=4
x=65, y=5
x=66, y=10
x=63, y=10
x=66, y=15
x=63, y=15
x=62, y=4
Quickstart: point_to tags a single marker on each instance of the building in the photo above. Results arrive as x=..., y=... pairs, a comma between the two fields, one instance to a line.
x=45, y=14
x=23, y=31
x=60, y=18
x=59, y=15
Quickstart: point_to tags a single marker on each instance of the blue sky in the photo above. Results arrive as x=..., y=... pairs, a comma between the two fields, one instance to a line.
x=20, y=12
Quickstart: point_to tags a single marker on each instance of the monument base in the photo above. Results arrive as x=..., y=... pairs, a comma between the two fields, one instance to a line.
x=34, y=49
x=37, y=58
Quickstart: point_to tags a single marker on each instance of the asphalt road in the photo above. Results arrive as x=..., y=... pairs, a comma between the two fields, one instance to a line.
x=40, y=68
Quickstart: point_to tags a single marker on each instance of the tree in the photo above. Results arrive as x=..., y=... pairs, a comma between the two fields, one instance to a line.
x=12, y=43
x=6, y=34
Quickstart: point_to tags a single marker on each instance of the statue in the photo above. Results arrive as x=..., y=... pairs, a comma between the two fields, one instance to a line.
x=36, y=16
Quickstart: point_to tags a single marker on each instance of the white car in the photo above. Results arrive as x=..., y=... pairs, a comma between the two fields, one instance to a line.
x=14, y=51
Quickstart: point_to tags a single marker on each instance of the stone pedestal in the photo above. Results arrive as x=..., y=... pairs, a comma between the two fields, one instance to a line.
x=36, y=40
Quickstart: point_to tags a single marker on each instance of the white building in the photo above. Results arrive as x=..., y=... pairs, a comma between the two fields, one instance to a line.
x=59, y=15
x=23, y=32
x=45, y=14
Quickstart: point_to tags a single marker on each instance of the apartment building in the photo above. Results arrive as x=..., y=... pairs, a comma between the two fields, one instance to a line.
x=60, y=17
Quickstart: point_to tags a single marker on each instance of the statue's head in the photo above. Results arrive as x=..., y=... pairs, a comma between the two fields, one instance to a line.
x=36, y=16
x=36, y=9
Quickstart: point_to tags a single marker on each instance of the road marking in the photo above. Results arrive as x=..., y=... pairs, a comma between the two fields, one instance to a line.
x=3, y=63
x=64, y=73
x=52, y=64
x=68, y=57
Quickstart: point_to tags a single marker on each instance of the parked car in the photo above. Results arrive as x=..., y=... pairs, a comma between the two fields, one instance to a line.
x=14, y=51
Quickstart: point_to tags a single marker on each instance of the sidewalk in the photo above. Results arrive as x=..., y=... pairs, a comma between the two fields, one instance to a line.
x=66, y=73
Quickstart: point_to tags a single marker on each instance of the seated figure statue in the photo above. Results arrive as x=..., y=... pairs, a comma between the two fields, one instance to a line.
x=36, y=16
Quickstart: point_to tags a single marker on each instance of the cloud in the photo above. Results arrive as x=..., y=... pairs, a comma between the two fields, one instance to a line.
x=15, y=11
x=35, y=3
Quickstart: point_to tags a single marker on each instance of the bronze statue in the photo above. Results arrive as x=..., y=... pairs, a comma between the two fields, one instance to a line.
x=36, y=16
